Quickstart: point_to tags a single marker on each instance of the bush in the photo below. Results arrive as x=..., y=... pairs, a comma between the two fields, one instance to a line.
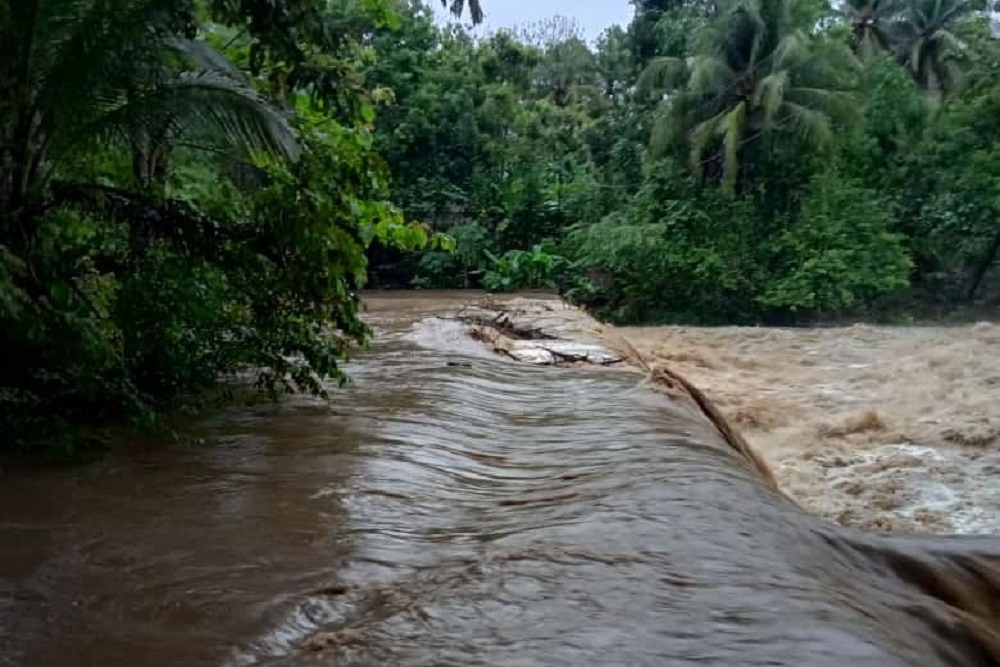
x=838, y=253
x=119, y=312
x=461, y=267
x=677, y=253
x=519, y=269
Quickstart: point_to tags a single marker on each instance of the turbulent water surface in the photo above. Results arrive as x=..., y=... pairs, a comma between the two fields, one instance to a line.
x=455, y=509
x=895, y=429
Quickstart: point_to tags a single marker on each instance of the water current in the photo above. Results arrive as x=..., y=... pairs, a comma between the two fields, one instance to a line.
x=451, y=508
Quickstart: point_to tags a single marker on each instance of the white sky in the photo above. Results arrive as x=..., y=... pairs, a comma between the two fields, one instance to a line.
x=592, y=15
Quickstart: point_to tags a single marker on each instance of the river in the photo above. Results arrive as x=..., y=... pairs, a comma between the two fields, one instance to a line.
x=451, y=508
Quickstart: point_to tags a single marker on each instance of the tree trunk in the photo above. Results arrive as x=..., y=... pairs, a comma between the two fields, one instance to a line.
x=150, y=162
x=19, y=175
x=6, y=189
x=984, y=265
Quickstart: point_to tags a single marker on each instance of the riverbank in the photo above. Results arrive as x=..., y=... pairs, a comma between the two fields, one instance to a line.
x=893, y=429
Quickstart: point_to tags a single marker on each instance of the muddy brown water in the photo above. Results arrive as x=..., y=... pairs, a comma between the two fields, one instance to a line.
x=895, y=429
x=451, y=508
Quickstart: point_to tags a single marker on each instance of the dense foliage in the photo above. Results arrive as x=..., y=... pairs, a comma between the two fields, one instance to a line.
x=187, y=191
x=740, y=161
x=192, y=190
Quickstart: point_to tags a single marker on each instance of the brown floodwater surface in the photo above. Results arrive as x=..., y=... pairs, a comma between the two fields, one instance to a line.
x=450, y=508
x=895, y=429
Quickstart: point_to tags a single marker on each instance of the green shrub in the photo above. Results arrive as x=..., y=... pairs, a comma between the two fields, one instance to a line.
x=462, y=266
x=677, y=253
x=118, y=313
x=840, y=252
x=519, y=269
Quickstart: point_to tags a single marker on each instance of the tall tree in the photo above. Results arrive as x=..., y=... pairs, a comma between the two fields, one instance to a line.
x=928, y=43
x=116, y=301
x=126, y=71
x=871, y=25
x=615, y=62
x=757, y=74
x=566, y=68
x=458, y=6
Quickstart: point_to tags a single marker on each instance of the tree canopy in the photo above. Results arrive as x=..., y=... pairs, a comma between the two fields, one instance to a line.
x=702, y=163
x=187, y=192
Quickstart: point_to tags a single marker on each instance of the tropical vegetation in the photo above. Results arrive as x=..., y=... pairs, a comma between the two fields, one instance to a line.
x=187, y=192
x=196, y=192
x=716, y=162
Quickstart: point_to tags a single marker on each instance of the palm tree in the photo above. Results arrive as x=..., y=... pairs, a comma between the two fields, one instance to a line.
x=75, y=73
x=615, y=62
x=926, y=42
x=567, y=69
x=871, y=24
x=758, y=72
x=475, y=8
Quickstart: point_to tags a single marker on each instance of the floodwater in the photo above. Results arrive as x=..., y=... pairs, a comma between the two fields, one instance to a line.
x=455, y=509
x=893, y=429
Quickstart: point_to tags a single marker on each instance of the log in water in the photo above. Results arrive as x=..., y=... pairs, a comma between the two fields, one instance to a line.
x=455, y=508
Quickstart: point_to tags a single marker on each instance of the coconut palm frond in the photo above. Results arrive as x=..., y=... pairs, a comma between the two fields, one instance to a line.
x=812, y=124
x=770, y=95
x=206, y=104
x=459, y=6
x=663, y=74
x=872, y=22
x=761, y=73
x=732, y=128
x=701, y=136
x=206, y=108
x=791, y=49
x=925, y=40
x=79, y=53
x=73, y=61
x=668, y=127
x=710, y=75
x=204, y=57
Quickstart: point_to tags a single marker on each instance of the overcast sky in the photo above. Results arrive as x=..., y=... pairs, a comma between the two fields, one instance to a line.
x=592, y=15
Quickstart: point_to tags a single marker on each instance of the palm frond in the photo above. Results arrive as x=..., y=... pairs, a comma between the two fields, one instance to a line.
x=204, y=57
x=458, y=6
x=916, y=53
x=762, y=71
x=740, y=35
x=770, y=94
x=952, y=74
x=951, y=45
x=839, y=105
x=88, y=52
x=206, y=108
x=205, y=105
x=709, y=75
x=732, y=128
x=702, y=135
x=792, y=48
x=662, y=74
x=811, y=124
x=668, y=127
x=870, y=44
x=925, y=40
